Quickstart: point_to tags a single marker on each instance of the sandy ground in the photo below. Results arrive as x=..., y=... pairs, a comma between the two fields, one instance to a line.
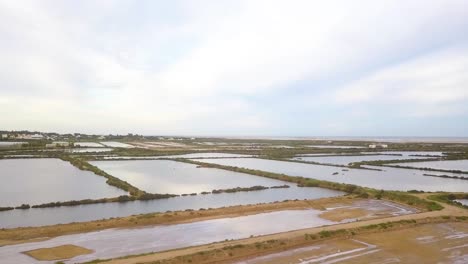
x=58, y=253
x=432, y=243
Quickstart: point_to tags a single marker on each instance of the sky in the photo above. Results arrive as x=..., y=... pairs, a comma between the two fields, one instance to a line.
x=235, y=68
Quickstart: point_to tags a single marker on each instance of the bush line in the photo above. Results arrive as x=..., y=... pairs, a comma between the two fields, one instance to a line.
x=450, y=198
x=142, y=197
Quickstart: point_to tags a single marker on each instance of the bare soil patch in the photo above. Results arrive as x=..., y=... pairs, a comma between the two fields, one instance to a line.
x=57, y=253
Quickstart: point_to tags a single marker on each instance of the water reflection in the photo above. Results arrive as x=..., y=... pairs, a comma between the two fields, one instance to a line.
x=36, y=181
x=113, y=243
x=166, y=176
x=461, y=165
x=345, y=160
x=387, y=179
x=82, y=213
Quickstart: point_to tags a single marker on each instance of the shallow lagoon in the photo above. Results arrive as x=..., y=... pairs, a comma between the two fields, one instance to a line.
x=335, y=147
x=185, y=156
x=82, y=213
x=387, y=179
x=115, y=144
x=461, y=165
x=209, y=155
x=167, y=176
x=410, y=154
x=10, y=143
x=345, y=160
x=89, y=150
x=37, y=181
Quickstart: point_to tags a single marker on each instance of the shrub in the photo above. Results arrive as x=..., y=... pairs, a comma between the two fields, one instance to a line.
x=23, y=206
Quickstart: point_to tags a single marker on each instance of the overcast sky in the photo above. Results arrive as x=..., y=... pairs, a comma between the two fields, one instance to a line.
x=244, y=68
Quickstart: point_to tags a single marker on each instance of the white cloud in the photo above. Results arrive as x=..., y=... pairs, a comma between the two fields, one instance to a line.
x=429, y=85
x=108, y=65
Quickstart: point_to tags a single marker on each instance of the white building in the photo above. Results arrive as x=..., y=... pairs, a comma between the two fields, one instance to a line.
x=373, y=146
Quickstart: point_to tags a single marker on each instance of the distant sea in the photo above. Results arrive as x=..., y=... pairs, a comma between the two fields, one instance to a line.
x=376, y=139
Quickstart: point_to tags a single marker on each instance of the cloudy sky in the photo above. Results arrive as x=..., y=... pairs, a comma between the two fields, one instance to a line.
x=263, y=68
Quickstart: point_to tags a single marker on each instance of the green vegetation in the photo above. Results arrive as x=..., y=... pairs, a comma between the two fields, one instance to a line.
x=248, y=189
x=70, y=203
x=458, y=155
x=280, y=186
x=240, y=189
x=23, y=206
x=446, y=176
x=450, y=198
x=120, y=199
x=386, y=162
x=427, y=169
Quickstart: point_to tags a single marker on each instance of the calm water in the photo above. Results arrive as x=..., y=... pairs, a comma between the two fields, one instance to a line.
x=463, y=201
x=36, y=181
x=461, y=165
x=405, y=154
x=86, y=150
x=167, y=176
x=114, y=144
x=388, y=179
x=186, y=156
x=9, y=143
x=82, y=213
x=323, y=154
x=410, y=154
x=88, y=144
x=113, y=243
x=209, y=155
x=335, y=146
x=386, y=139
x=345, y=160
